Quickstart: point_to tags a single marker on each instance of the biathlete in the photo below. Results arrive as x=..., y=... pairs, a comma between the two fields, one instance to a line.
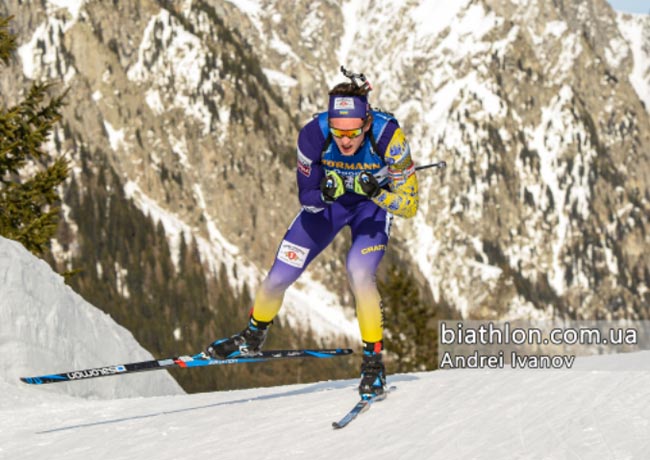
x=354, y=168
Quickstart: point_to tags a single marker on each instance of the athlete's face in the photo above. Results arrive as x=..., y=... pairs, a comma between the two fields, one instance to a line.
x=348, y=133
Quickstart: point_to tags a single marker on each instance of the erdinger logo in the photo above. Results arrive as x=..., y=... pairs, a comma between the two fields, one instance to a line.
x=292, y=254
x=88, y=373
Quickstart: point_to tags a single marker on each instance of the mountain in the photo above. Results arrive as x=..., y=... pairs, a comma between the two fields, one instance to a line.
x=544, y=208
x=181, y=124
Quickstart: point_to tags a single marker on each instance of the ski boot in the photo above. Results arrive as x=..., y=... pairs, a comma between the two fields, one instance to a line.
x=248, y=342
x=373, y=372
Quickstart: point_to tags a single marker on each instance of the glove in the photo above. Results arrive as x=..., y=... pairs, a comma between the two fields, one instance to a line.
x=366, y=184
x=331, y=187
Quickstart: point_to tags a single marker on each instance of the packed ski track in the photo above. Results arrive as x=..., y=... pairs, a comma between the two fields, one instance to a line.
x=444, y=414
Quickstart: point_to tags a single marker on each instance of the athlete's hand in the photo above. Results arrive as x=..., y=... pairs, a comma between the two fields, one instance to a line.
x=366, y=184
x=331, y=187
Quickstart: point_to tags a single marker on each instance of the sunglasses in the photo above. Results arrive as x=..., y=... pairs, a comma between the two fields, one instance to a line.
x=350, y=133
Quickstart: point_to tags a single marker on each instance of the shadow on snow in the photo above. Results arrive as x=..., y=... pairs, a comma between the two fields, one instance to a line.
x=315, y=388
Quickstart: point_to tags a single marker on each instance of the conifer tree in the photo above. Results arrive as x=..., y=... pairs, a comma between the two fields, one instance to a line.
x=7, y=40
x=29, y=176
x=410, y=322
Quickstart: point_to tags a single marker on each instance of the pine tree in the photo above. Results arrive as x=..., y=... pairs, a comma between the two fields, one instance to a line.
x=410, y=322
x=7, y=40
x=29, y=176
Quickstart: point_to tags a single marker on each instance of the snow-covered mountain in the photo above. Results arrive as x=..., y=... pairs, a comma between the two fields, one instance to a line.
x=46, y=327
x=531, y=104
x=539, y=108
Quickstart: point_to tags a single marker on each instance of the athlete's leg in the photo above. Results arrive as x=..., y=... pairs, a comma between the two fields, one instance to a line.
x=307, y=236
x=370, y=232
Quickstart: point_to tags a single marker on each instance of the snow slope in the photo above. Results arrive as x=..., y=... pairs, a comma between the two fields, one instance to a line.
x=439, y=415
x=46, y=327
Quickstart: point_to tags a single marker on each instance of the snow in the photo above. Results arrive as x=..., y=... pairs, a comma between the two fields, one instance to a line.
x=636, y=31
x=61, y=254
x=281, y=79
x=46, y=327
x=471, y=415
x=73, y=6
x=553, y=136
x=312, y=25
x=351, y=11
x=31, y=56
x=442, y=102
x=571, y=45
x=423, y=23
x=40, y=55
x=546, y=140
x=275, y=43
x=179, y=46
x=120, y=277
x=459, y=414
x=555, y=28
x=179, y=147
x=252, y=8
x=474, y=22
x=171, y=59
x=115, y=136
x=325, y=316
x=616, y=52
x=154, y=101
x=431, y=18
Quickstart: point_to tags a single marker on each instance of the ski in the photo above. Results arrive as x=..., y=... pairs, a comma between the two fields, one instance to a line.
x=360, y=407
x=182, y=362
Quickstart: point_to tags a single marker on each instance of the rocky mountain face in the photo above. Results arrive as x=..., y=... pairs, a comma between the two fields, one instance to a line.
x=539, y=109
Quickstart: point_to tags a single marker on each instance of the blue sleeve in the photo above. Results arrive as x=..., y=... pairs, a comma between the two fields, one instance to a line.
x=309, y=171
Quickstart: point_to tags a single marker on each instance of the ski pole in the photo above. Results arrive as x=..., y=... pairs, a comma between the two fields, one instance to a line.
x=439, y=164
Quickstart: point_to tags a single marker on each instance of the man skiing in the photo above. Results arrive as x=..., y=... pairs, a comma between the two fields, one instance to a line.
x=354, y=169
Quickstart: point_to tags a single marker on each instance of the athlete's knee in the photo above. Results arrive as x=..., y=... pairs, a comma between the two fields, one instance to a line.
x=279, y=279
x=276, y=284
x=361, y=276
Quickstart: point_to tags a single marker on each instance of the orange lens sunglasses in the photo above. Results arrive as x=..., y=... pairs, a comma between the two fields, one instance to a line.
x=350, y=133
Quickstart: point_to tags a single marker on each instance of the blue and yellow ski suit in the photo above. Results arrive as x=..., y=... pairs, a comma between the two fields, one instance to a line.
x=388, y=158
